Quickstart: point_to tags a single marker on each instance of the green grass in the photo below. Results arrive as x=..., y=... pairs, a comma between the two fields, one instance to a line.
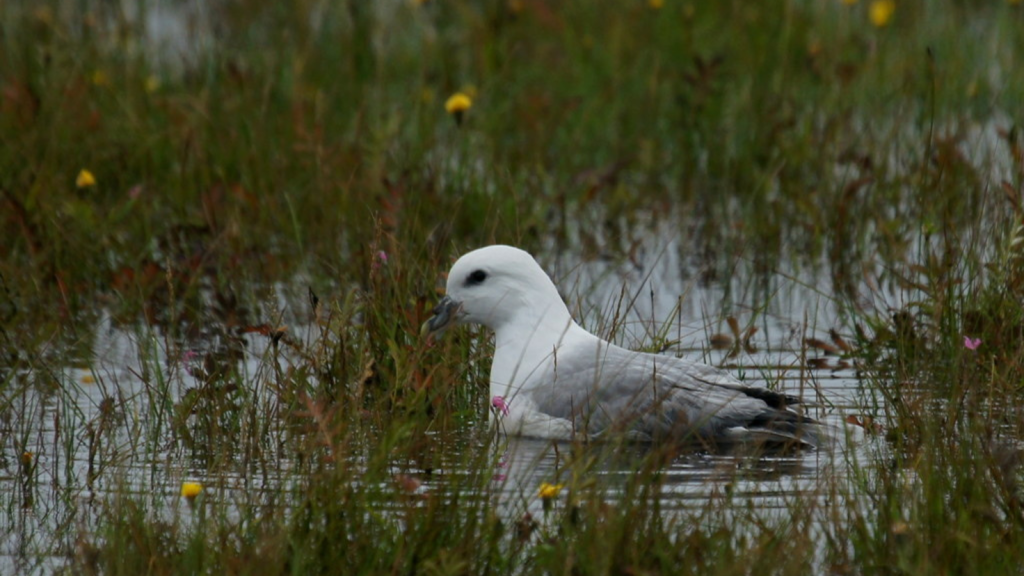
x=301, y=140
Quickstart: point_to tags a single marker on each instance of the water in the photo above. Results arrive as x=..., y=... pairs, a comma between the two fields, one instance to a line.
x=77, y=470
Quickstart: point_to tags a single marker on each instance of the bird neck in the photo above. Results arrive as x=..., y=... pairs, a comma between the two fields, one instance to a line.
x=526, y=350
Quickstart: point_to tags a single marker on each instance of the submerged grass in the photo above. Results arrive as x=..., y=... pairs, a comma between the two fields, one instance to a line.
x=235, y=295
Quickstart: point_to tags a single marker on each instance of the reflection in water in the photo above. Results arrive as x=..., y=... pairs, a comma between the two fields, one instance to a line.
x=685, y=478
x=735, y=489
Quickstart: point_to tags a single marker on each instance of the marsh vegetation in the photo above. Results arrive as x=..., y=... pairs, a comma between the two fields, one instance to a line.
x=223, y=224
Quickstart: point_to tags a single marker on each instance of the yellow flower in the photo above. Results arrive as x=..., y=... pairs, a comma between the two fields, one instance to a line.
x=88, y=379
x=458, y=103
x=100, y=78
x=191, y=489
x=881, y=11
x=655, y=4
x=152, y=84
x=85, y=179
x=549, y=491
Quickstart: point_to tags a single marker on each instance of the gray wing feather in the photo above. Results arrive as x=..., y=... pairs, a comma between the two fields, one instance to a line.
x=651, y=397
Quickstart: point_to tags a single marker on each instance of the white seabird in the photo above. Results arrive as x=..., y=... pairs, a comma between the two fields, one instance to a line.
x=550, y=378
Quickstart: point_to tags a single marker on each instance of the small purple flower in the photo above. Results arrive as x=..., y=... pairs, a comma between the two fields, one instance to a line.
x=971, y=343
x=189, y=360
x=499, y=404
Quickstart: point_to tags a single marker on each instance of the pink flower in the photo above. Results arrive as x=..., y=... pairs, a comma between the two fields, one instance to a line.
x=380, y=259
x=971, y=343
x=499, y=404
x=190, y=361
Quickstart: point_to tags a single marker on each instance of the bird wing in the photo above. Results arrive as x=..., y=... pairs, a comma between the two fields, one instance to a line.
x=647, y=396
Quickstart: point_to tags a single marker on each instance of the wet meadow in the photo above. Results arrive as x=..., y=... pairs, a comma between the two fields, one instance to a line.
x=222, y=225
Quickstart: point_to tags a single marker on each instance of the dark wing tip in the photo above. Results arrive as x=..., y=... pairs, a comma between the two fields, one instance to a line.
x=785, y=424
x=776, y=400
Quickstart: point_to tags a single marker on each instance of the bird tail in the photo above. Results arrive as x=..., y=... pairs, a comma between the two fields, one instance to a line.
x=779, y=428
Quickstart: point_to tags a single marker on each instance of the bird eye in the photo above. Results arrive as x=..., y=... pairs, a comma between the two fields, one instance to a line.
x=476, y=277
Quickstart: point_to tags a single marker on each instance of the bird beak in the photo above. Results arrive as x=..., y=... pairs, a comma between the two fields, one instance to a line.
x=445, y=314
